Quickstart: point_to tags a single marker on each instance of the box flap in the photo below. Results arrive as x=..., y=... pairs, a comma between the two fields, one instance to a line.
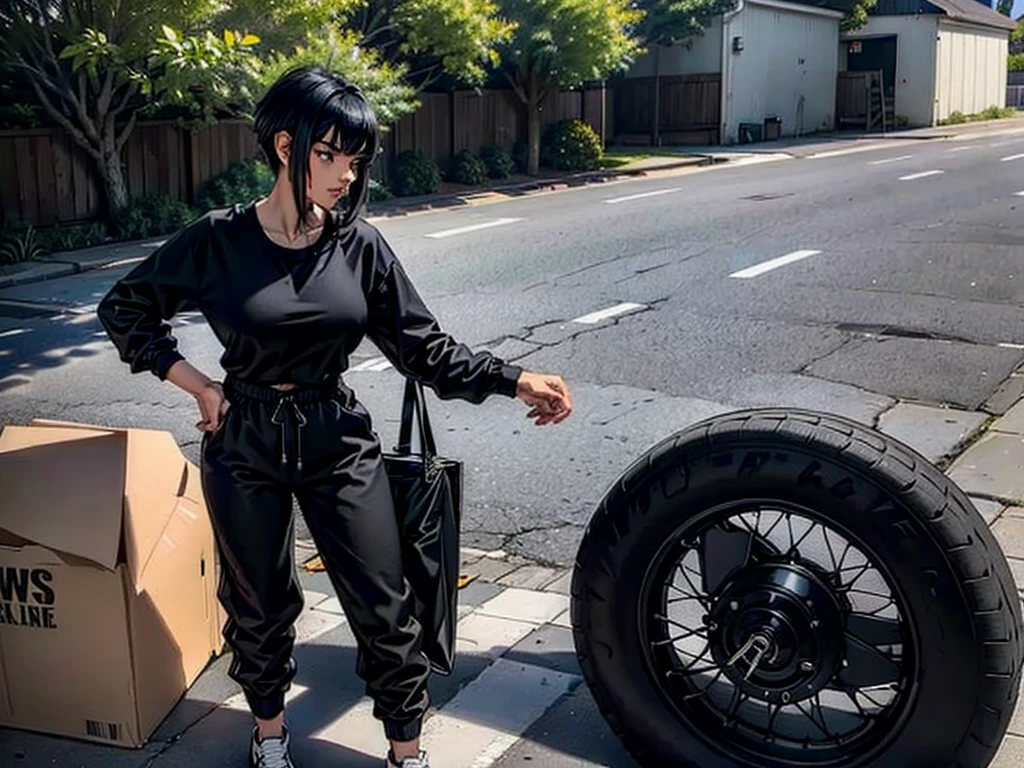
x=156, y=477
x=63, y=488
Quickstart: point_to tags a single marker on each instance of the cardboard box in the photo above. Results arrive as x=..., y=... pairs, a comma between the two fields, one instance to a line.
x=108, y=579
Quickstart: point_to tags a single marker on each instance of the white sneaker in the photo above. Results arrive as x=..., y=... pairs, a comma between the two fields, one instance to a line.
x=420, y=761
x=271, y=753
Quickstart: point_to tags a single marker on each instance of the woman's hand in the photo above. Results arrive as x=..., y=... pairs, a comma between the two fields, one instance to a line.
x=548, y=395
x=212, y=406
x=209, y=394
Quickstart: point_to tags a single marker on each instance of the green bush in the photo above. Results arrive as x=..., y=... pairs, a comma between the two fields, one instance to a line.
x=151, y=215
x=1016, y=62
x=956, y=118
x=239, y=183
x=71, y=237
x=378, y=192
x=520, y=155
x=572, y=145
x=18, y=245
x=466, y=168
x=500, y=164
x=997, y=113
x=415, y=174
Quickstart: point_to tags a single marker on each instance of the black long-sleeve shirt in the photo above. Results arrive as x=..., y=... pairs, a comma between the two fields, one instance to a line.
x=291, y=315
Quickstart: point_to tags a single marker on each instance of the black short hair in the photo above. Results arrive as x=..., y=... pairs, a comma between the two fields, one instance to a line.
x=308, y=102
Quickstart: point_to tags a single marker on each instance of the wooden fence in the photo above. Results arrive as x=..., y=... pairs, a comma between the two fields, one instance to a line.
x=1015, y=96
x=690, y=108
x=45, y=178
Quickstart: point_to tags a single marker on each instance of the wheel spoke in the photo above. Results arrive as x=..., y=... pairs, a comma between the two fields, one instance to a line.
x=873, y=630
x=723, y=553
x=868, y=666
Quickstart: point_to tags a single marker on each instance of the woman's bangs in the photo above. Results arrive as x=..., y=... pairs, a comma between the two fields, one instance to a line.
x=351, y=125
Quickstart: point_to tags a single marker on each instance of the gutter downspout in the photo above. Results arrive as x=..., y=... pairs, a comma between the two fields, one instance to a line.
x=727, y=69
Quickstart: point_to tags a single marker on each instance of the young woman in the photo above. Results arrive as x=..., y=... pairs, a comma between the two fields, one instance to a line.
x=290, y=287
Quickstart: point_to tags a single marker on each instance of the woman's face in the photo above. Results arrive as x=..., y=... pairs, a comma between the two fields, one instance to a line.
x=330, y=172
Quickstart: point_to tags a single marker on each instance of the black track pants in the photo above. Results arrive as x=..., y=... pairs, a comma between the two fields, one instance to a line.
x=319, y=446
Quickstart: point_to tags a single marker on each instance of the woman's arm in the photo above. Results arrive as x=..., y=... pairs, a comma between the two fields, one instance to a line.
x=134, y=313
x=408, y=334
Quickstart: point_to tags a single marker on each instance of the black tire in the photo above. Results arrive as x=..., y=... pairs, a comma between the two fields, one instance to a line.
x=962, y=601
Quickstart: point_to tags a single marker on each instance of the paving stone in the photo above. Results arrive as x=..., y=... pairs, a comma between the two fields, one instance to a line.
x=1017, y=723
x=989, y=510
x=331, y=605
x=1009, y=532
x=529, y=577
x=562, y=585
x=994, y=467
x=489, y=569
x=1015, y=512
x=490, y=635
x=1010, y=754
x=563, y=619
x=477, y=726
x=548, y=646
x=1013, y=421
x=934, y=432
x=1017, y=568
x=469, y=556
x=527, y=605
x=478, y=592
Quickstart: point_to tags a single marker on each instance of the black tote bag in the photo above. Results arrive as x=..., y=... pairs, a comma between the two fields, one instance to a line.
x=427, y=491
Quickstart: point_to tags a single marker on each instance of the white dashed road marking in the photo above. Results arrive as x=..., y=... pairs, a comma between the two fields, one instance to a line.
x=1011, y=158
x=604, y=314
x=472, y=228
x=891, y=160
x=657, y=192
x=373, y=364
x=922, y=175
x=768, y=266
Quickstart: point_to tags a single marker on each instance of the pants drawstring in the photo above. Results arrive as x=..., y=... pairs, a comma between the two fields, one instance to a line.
x=300, y=422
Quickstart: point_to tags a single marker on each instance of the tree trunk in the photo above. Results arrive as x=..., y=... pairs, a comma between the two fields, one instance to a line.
x=532, y=127
x=112, y=171
x=114, y=182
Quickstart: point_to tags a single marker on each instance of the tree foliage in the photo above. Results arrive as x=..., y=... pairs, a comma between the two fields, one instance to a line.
x=338, y=51
x=564, y=43
x=858, y=15
x=678, y=22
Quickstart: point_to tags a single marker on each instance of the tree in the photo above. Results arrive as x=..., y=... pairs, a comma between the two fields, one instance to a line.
x=857, y=16
x=338, y=51
x=674, y=22
x=94, y=65
x=431, y=38
x=562, y=44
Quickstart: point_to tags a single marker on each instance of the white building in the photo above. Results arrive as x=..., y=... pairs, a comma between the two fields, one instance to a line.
x=775, y=61
x=936, y=56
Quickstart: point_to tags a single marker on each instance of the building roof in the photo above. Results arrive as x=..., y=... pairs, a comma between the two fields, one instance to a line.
x=966, y=11
x=973, y=12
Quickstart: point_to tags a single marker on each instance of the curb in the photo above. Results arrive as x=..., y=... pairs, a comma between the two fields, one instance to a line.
x=404, y=206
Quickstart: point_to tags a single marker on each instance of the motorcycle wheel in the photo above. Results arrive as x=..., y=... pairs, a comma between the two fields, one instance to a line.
x=781, y=588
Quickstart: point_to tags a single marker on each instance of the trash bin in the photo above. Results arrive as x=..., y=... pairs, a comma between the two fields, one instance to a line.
x=108, y=580
x=749, y=133
x=772, y=128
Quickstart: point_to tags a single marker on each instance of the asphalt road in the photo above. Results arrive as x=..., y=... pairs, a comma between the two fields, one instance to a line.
x=902, y=280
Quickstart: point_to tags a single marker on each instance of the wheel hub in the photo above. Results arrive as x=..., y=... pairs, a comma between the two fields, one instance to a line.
x=777, y=632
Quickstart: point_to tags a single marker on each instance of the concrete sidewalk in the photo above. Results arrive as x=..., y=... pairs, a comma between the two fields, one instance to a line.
x=517, y=698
